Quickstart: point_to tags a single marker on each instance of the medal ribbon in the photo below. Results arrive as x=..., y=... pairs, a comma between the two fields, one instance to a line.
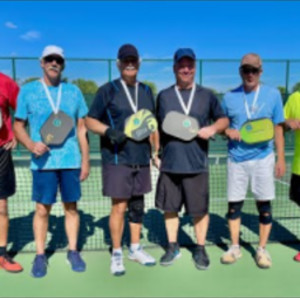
x=133, y=105
x=185, y=108
x=55, y=109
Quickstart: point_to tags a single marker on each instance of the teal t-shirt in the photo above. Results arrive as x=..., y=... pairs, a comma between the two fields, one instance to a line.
x=33, y=106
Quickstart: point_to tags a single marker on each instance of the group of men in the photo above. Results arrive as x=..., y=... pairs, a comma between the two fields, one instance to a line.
x=126, y=176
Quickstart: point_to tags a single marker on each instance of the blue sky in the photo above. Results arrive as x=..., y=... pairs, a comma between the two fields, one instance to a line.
x=214, y=29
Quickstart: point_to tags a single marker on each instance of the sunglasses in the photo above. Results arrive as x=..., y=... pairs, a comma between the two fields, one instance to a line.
x=247, y=70
x=59, y=60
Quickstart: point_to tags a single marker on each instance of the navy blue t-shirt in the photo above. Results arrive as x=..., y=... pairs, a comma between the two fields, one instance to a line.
x=111, y=107
x=179, y=156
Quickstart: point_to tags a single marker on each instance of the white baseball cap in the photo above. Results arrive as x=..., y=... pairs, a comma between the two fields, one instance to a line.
x=52, y=50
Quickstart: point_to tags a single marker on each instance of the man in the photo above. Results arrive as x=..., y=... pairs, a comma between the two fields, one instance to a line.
x=59, y=165
x=251, y=101
x=125, y=163
x=292, y=116
x=183, y=166
x=8, y=98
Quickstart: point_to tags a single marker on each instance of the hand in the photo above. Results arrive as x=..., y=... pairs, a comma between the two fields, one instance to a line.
x=115, y=136
x=85, y=170
x=10, y=145
x=156, y=161
x=233, y=134
x=280, y=168
x=207, y=132
x=39, y=148
x=293, y=124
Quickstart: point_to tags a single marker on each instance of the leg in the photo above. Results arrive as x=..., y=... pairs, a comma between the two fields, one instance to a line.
x=116, y=221
x=40, y=226
x=172, y=225
x=3, y=222
x=201, y=226
x=135, y=215
x=234, y=222
x=263, y=258
x=71, y=224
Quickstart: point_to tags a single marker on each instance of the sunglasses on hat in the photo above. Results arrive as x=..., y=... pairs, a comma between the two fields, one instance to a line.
x=250, y=69
x=59, y=60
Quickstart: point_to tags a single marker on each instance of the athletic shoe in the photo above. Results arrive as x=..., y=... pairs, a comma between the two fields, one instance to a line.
x=75, y=260
x=231, y=255
x=263, y=258
x=200, y=258
x=7, y=263
x=116, y=266
x=172, y=254
x=297, y=257
x=39, y=268
x=139, y=255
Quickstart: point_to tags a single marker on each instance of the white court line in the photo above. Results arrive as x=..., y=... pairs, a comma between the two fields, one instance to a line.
x=282, y=182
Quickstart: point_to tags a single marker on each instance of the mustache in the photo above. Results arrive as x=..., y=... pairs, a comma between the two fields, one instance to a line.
x=130, y=67
x=55, y=68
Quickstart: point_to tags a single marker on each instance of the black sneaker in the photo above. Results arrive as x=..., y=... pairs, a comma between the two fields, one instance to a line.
x=172, y=254
x=200, y=258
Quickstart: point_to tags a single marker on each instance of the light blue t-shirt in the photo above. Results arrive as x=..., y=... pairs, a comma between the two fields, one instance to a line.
x=33, y=105
x=268, y=105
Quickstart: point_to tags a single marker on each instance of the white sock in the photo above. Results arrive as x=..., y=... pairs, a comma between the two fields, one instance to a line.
x=134, y=246
x=235, y=246
x=117, y=250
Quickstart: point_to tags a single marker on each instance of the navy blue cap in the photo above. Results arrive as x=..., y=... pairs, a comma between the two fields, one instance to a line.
x=127, y=50
x=184, y=52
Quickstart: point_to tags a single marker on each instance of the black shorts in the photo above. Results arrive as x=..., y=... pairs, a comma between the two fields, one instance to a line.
x=124, y=182
x=7, y=174
x=295, y=189
x=190, y=190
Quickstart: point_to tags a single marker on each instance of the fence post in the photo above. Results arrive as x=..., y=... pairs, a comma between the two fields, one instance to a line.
x=109, y=70
x=287, y=78
x=13, y=64
x=200, y=71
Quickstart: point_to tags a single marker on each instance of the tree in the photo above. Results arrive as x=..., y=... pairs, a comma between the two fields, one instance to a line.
x=282, y=91
x=86, y=86
x=296, y=87
x=152, y=86
x=28, y=80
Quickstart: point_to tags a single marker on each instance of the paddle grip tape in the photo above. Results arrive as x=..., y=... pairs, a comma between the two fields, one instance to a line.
x=136, y=209
x=234, y=210
x=265, y=212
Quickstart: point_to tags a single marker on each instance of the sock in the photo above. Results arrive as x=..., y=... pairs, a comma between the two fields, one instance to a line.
x=117, y=250
x=235, y=246
x=2, y=250
x=134, y=246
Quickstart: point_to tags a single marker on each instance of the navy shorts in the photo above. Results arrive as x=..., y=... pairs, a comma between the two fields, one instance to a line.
x=124, y=182
x=295, y=189
x=45, y=184
x=175, y=190
x=7, y=174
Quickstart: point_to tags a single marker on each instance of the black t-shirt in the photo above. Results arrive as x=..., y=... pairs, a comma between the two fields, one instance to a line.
x=179, y=156
x=111, y=107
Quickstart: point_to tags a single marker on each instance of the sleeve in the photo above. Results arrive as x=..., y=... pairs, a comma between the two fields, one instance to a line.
x=22, y=107
x=149, y=91
x=216, y=110
x=82, y=107
x=288, y=108
x=98, y=105
x=278, y=116
x=13, y=94
x=224, y=104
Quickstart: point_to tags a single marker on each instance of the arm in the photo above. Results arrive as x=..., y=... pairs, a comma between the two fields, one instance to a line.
x=37, y=148
x=279, y=144
x=96, y=126
x=218, y=127
x=84, y=147
x=155, y=145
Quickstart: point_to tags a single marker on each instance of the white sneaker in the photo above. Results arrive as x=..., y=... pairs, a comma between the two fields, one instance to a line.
x=116, y=266
x=231, y=255
x=139, y=255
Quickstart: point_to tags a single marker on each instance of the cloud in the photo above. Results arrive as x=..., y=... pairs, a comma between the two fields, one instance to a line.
x=10, y=25
x=31, y=35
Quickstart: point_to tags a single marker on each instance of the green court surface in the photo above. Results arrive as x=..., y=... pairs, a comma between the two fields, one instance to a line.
x=242, y=279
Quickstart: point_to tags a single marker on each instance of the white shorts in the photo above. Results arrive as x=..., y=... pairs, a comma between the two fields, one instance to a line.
x=261, y=175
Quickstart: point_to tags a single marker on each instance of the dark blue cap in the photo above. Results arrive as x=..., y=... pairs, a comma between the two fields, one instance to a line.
x=127, y=50
x=185, y=52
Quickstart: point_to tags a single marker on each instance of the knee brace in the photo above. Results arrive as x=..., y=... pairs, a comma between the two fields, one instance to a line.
x=136, y=209
x=234, y=210
x=265, y=212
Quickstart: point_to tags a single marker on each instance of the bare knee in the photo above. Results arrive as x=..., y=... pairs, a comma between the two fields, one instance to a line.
x=42, y=211
x=3, y=208
x=71, y=209
x=119, y=207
